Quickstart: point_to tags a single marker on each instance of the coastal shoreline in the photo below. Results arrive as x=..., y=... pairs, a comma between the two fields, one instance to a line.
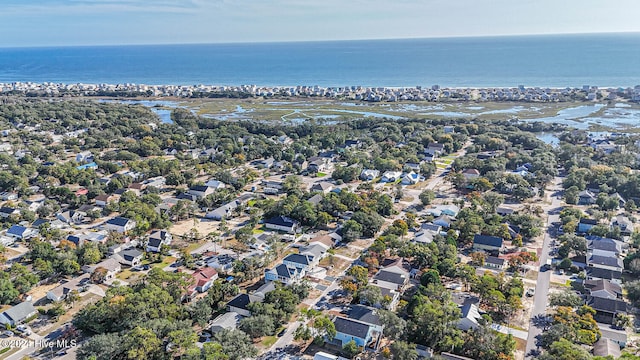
x=435, y=93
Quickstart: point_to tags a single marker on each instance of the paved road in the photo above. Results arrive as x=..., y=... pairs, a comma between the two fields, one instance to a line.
x=542, y=285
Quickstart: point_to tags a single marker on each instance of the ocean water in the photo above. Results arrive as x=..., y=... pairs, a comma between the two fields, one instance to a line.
x=553, y=61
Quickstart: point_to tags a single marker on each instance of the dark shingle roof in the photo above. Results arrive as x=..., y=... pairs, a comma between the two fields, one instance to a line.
x=351, y=327
x=391, y=277
x=604, y=273
x=607, y=305
x=365, y=314
x=605, y=260
x=487, y=240
x=118, y=221
x=297, y=258
x=494, y=260
x=241, y=301
x=280, y=221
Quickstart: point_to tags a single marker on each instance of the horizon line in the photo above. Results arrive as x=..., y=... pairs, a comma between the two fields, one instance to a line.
x=326, y=40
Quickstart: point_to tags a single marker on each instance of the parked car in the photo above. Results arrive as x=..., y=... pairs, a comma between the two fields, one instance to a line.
x=8, y=333
x=531, y=292
x=282, y=332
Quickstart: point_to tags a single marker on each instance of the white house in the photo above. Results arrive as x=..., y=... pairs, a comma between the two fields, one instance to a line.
x=111, y=266
x=391, y=176
x=131, y=257
x=369, y=174
x=157, y=239
x=284, y=274
x=21, y=232
x=201, y=191
x=282, y=223
x=410, y=178
x=84, y=157
x=120, y=224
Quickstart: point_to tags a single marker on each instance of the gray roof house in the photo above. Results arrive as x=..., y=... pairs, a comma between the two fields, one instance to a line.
x=18, y=314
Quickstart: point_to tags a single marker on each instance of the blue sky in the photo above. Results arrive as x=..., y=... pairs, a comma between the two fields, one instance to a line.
x=102, y=22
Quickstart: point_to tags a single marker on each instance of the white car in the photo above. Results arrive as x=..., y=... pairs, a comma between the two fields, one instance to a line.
x=531, y=292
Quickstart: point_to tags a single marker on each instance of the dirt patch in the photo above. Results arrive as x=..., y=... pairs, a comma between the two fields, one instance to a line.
x=202, y=226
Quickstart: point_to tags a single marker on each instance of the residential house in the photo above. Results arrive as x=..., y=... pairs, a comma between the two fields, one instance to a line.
x=131, y=257
x=504, y=211
x=363, y=334
x=603, y=289
x=240, y=304
x=391, y=176
x=615, y=276
x=366, y=314
x=493, y=262
x=487, y=243
x=120, y=224
x=71, y=217
x=282, y=223
x=598, y=244
x=444, y=220
x=624, y=224
x=451, y=210
x=392, y=280
x=423, y=237
x=325, y=241
x=470, y=174
x=157, y=182
x=586, y=197
x=272, y=187
x=18, y=314
x=605, y=261
x=201, y=191
x=319, y=164
x=21, y=232
x=6, y=211
x=315, y=199
x=76, y=284
x=605, y=347
x=8, y=196
x=586, y=224
x=202, y=280
x=103, y=200
x=157, y=239
x=266, y=163
x=606, y=309
x=617, y=336
x=410, y=178
x=6, y=240
x=215, y=184
x=226, y=321
x=323, y=187
x=434, y=149
x=170, y=151
x=301, y=261
x=84, y=157
x=227, y=209
x=111, y=266
x=222, y=263
x=410, y=166
x=284, y=273
x=470, y=315
x=369, y=174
